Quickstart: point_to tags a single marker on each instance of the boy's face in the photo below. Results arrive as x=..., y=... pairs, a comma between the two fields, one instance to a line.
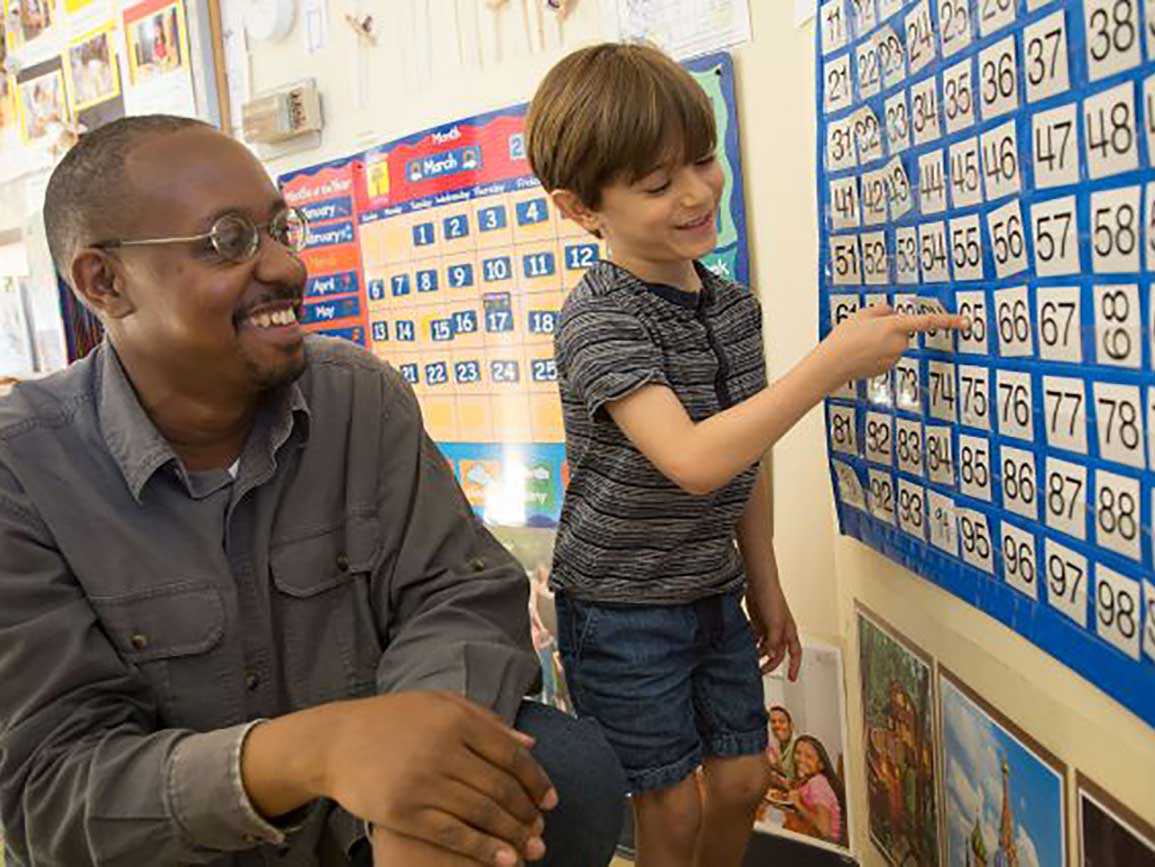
x=666, y=217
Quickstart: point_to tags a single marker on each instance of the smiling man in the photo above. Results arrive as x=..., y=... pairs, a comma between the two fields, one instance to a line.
x=246, y=614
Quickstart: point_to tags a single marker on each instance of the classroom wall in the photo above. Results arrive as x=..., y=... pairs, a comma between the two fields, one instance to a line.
x=824, y=573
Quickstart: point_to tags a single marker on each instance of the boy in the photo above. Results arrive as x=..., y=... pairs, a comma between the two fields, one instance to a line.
x=667, y=412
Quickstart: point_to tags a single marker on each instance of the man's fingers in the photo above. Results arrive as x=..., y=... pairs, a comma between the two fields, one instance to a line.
x=450, y=833
x=490, y=717
x=391, y=849
x=499, y=785
x=512, y=756
x=488, y=816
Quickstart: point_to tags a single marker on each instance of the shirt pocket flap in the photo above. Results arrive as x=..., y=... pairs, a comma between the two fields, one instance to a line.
x=313, y=563
x=163, y=622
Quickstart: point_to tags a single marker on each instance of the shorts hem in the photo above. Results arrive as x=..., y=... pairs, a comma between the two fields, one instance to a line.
x=738, y=744
x=663, y=777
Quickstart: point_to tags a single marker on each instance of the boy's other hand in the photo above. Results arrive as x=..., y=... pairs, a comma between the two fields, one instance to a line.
x=774, y=627
x=871, y=342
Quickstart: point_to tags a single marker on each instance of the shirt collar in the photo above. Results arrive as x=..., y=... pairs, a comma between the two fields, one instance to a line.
x=689, y=301
x=138, y=447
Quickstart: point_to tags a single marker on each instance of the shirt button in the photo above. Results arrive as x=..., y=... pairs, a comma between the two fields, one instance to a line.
x=139, y=641
x=477, y=564
x=343, y=562
x=252, y=681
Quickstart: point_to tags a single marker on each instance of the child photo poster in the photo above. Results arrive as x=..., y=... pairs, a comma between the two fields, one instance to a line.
x=807, y=796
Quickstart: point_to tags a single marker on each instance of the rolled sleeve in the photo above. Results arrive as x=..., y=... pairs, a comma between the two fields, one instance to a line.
x=605, y=353
x=459, y=601
x=207, y=795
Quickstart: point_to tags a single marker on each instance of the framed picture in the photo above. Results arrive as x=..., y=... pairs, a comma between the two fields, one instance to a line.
x=807, y=798
x=1004, y=796
x=35, y=16
x=43, y=101
x=8, y=105
x=898, y=717
x=157, y=42
x=93, y=76
x=1110, y=835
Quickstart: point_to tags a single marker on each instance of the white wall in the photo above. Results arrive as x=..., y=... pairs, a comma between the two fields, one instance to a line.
x=824, y=574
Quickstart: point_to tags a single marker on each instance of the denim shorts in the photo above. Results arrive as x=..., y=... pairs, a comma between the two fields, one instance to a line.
x=667, y=683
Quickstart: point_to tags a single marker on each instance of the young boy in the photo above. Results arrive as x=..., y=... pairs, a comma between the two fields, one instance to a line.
x=666, y=522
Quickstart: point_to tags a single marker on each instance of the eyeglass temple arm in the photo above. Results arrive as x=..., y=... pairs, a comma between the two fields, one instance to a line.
x=150, y=242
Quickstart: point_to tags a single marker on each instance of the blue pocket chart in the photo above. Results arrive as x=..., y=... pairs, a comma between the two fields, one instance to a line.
x=994, y=157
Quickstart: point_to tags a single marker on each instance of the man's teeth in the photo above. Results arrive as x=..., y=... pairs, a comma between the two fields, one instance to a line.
x=277, y=317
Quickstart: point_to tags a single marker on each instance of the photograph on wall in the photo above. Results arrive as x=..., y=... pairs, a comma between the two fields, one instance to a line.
x=1004, y=799
x=1110, y=835
x=7, y=103
x=34, y=16
x=15, y=337
x=898, y=737
x=43, y=101
x=93, y=77
x=157, y=45
x=807, y=796
x=533, y=548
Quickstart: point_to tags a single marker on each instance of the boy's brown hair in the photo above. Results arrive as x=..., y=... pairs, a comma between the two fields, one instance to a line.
x=614, y=111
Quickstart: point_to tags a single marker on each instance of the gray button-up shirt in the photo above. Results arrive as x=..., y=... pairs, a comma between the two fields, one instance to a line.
x=148, y=615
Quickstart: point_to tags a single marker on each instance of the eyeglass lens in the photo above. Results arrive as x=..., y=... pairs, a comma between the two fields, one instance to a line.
x=236, y=238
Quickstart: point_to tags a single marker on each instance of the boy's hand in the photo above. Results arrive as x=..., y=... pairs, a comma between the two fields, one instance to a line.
x=774, y=627
x=871, y=341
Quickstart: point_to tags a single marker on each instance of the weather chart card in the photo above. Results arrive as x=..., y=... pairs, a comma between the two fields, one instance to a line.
x=442, y=254
x=994, y=157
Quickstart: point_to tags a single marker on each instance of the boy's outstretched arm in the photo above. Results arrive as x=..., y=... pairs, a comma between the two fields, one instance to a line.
x=703, y=456
x=770, y=615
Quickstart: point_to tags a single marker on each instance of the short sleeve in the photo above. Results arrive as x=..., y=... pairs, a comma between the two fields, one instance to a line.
x=605, y=353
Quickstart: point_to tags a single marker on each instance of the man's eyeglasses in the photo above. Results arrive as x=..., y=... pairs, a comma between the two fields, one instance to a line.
x=234, y=237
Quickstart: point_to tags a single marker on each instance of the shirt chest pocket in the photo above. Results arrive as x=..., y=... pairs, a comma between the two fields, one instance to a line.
x=169, y=633
x=323, y=593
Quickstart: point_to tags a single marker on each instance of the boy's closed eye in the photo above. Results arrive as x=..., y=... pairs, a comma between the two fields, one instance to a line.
x=655, y=183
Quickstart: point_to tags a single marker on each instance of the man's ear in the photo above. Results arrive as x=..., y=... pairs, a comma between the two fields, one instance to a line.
x=572, y=207
x=98, y=278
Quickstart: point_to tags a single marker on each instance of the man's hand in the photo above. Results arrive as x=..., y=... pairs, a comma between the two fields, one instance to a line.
x=430, y=767
x=773, y=626
x=438, y=768
x=394, y=850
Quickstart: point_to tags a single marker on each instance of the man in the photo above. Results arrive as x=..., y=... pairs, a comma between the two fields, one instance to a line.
x=782, y=749
x=246, y=616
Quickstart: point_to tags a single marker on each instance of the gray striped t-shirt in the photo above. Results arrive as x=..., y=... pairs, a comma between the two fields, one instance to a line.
x=629, y=535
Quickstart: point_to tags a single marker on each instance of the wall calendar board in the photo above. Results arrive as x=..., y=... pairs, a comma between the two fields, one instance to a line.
x=995, y=157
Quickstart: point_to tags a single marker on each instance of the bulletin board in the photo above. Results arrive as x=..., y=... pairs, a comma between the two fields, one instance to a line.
x=442, y=254
x=994, y=157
